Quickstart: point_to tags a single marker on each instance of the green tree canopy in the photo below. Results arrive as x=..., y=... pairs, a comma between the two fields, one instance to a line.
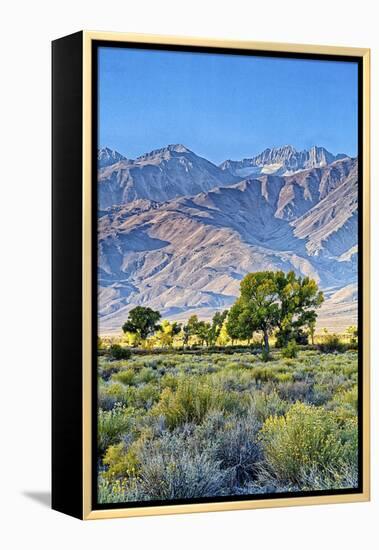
x=202, y=330
x=167, y=331
x=239, y=325
x=259, y=302
x=216, y=326
x=142, y=321
x=298, y=299
x=274, y=300
x=196, y=328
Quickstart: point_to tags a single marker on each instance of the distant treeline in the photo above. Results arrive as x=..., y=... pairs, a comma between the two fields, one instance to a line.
x=273, y=308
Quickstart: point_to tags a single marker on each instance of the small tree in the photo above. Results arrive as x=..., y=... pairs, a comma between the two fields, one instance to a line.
x=132, y=339
x=204, y=332
x=290, y=351
x=167, y=332
x=199, y=329
x=186, y=335
x=232, y=323
x=215, y=329
x=312, y=330
x=142, y=321
x=353, y=334
x=223, y=338
x=190, y=329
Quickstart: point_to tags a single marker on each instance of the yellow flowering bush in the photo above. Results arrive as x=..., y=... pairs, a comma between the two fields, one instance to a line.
x=307, y=437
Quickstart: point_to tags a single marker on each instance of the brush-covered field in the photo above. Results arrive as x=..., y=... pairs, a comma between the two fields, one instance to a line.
x=182, y=425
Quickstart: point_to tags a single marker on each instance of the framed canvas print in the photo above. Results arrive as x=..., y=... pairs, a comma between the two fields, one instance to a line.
x=210, y=275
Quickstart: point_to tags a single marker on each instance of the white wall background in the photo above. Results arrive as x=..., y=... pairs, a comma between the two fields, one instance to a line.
x=27, y=27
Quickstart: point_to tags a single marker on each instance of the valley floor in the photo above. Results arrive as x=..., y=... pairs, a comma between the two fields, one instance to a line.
x=181, y=426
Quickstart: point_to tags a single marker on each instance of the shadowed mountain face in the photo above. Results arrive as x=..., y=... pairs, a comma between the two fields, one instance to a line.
x=182, y=252
x=331, y=225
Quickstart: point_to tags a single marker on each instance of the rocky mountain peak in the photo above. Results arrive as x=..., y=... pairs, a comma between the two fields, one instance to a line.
x=160, y=175
x=283, y=160
x=107, y=157
x=319, y=156
x=164, y=152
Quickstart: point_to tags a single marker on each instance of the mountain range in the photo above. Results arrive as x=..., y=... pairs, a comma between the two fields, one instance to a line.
x=282, y=161
x=161, y=175
x=178, y=233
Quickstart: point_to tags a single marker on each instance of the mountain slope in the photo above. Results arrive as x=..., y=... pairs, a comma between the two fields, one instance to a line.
x=160, y=175
x=188, y=255
x=330, y=227
x=305, y=189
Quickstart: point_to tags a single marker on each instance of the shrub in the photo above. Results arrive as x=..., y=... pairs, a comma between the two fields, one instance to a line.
x=107, y=368
x=295, y=391
x=265, y=356
x=331, y=344
x=125, y=376
x=320, y=395
x=111, y=491
x=106, y=402
x=145, y=375
x=345, y=404
x=337, y=476
x=265, y=404
x=349, y=398
x=111, y=425
x=143, y=397
x=262, y=374
x=233, y=365
x=100, y=343
x=228, y=418
x=284, y=377
x=168, y=468
x=345, y=477
x=170, y=473
x=305, y=439
x=232, y=442
x=349, y=437
x=118, y=352
x=120, y=462
x=169, y=380
x=192, y=400
x=212, y=458
x=112, y=394
x=290, y=351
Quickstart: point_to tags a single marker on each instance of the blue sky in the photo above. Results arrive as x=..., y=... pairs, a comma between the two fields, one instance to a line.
x=224, y=107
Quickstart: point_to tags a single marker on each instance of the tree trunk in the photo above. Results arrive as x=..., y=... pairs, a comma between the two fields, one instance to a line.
x=265, y=338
